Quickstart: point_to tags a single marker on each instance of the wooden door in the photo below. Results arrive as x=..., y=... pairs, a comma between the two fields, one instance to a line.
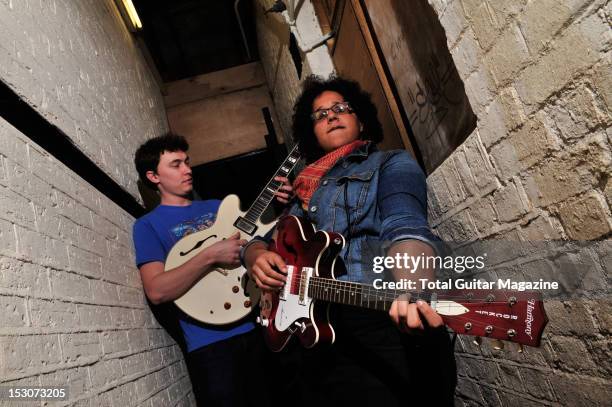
x=355, y=57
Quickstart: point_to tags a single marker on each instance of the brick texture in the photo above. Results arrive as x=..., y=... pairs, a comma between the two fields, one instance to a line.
x=72, y=311
x=546, y=153
x=79, y=67
x=63, y=322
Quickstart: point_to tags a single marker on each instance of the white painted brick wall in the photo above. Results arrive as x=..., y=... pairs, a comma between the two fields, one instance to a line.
x=542, y=118
x=72, y=309
x=78, y=66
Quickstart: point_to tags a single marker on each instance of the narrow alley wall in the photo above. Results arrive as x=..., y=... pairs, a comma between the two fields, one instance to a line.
x=536, y=168
x=73, y=310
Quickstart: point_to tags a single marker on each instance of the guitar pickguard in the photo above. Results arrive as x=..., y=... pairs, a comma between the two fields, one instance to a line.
x=291, y=310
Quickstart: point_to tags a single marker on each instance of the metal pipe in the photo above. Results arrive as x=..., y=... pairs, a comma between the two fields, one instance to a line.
x=316, y=43
x=244, y=39
x=305, y=48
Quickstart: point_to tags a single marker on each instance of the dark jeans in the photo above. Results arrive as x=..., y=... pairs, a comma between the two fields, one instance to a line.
x=230, y=372
x=373, y=364
x=370, y=364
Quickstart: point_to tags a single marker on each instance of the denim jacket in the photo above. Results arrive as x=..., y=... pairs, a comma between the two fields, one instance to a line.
x=373, y=198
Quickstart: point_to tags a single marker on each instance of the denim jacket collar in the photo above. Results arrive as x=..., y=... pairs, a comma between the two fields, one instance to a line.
x=363, y=151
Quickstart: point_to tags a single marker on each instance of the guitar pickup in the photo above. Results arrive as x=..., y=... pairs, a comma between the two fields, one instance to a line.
x=286, y=290
x=304, y=282
x=246, y=226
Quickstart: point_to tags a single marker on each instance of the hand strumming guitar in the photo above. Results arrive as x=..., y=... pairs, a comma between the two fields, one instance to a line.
x=266, y=267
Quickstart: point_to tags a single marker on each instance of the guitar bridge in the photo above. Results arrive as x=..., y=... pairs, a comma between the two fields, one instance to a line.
x=246, y=226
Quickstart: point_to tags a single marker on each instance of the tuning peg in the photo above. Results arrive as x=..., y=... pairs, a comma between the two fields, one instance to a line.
x=477, y=341
x=520, y=348
x=497, y=344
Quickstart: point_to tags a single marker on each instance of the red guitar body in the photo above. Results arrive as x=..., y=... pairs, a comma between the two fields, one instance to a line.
x=301, y=246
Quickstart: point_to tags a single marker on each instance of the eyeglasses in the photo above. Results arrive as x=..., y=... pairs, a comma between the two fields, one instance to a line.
x=338, y=108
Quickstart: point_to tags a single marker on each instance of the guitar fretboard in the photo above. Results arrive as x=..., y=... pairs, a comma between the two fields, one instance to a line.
x=267, y=194
x=358, y=294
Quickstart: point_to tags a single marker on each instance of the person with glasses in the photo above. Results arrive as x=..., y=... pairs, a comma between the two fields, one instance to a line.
x=378, y=201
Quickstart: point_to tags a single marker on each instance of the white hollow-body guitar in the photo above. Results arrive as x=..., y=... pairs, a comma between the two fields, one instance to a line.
x=224, y=296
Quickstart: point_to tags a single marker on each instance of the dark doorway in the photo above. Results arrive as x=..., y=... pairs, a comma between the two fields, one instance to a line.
x=244, y=175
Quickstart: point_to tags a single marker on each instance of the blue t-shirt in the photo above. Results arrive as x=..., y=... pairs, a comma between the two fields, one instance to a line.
x=156, y=233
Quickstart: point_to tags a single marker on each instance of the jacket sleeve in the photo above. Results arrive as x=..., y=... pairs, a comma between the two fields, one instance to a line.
x=294, y=209
x=402, y=200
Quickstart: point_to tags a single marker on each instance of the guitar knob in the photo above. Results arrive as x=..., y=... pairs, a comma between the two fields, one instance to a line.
x=497, y=344
x=247, y=304
x=227, y=305
x=300, y=325
x=263, y=321
x=235, y=289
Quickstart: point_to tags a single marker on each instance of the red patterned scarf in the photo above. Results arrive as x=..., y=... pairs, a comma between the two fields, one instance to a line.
x=308, y=181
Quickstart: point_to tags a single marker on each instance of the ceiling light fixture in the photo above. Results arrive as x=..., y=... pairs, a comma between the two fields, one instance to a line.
x=129, y=14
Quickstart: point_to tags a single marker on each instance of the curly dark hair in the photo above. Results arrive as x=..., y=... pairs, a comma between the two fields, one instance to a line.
x=148, y=154
x=360, y=101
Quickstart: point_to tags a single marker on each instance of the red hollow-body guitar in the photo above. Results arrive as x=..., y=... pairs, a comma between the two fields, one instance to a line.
x=301, y=307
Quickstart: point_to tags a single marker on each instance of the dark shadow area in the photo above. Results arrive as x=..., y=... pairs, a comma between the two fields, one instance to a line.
x=192, y=37
x=244, y=175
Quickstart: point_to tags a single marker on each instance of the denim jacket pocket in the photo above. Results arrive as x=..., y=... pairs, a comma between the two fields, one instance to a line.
x=354, y=189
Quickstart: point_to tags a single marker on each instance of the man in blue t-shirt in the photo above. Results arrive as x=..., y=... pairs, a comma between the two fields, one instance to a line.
x=220, y=359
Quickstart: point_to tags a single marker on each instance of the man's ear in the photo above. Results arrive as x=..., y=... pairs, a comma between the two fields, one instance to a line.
x=152, y=176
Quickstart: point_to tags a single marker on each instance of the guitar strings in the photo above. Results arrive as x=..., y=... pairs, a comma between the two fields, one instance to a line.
x=385, y=295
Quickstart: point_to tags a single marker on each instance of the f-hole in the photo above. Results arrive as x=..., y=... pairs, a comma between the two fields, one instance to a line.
x=197, y=246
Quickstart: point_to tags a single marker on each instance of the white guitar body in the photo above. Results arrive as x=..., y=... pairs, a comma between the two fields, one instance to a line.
x=222, y=296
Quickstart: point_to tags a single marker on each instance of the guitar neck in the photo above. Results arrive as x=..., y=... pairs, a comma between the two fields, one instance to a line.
x=267, y=194
x=358, y=294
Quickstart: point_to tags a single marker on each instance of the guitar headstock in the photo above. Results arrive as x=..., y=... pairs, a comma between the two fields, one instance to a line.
x=505, y=315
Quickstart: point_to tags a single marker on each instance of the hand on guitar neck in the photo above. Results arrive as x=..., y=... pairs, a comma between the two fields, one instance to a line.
x=285, y=192
x=410, y=317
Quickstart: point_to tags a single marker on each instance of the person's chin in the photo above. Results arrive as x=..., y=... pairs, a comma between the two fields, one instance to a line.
x=342, y=142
